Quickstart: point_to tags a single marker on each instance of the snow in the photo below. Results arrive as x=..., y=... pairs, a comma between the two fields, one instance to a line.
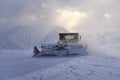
x=17, y=62
x=102, y=63
x=53, y=36
x=28, y=23
x=26, y=37
x=81, y=68
x=103, y=43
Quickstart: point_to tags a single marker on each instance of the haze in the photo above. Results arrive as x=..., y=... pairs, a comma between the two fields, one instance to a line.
x=77, y=15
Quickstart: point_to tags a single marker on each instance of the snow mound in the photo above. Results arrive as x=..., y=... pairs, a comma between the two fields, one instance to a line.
x=84, y=68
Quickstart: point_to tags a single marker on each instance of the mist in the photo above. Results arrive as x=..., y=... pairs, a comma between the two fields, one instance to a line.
x=31, y=48
x=100, y=15
x=94, y=18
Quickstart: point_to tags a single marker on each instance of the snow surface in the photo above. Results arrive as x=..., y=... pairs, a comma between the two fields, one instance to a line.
x=91, y=67
x=17, y=62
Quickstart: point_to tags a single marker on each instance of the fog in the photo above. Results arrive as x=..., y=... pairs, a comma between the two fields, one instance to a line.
x=77, y=15
x=97, y=21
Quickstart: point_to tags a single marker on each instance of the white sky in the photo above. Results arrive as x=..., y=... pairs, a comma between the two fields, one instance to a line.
x=74, y=15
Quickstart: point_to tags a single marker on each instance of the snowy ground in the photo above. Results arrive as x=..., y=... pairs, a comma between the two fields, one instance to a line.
x=17, y=62
x=20, y=65
x=102, y=63
x=92, y=67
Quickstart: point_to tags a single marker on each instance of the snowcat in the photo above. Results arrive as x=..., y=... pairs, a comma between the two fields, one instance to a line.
x=68, y=44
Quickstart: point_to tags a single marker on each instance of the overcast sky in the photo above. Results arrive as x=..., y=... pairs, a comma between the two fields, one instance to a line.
x=74, y=15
